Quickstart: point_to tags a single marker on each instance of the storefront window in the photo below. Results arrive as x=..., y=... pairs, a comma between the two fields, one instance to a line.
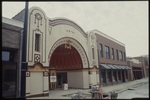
x=5, y=56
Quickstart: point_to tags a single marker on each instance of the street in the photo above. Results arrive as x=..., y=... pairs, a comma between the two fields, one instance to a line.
x=128, y=90
x=135, y=92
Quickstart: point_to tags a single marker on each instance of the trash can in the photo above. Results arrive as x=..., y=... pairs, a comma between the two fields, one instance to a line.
x=65, y=86
x=114, y=95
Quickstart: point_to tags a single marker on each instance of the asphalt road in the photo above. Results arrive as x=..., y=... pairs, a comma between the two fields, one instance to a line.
x=141, y=91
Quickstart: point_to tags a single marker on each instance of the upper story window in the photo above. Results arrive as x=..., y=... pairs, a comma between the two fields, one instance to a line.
x=117, y=54
x=101, y=50
x=93, y=53
x=112, y=55
x=120, y=56
x=124, y=56
x=146, y=63
x=37, y=42
x=107, y=51
x=5, y=56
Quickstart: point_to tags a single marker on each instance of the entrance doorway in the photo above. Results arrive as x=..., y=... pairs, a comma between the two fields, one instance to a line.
x=123, y=76
x=67, y=56
x=64, y=58
x=61, y=79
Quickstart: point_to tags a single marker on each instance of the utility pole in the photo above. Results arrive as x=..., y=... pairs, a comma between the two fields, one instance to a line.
x=19, y=69
x=24, y=64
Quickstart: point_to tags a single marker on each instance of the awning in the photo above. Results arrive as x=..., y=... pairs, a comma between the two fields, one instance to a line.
x=118, y=67
x=112, y=67
x=127, y=67
x=104, y=66
x=123, y=67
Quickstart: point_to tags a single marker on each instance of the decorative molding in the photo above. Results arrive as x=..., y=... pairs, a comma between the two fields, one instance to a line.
x=97, y=72
x=89, y=72
x=37, y=24
x=70, y=31
x=38, y=18
x=37, y=68
x=45, y=73
x=67, y=22
x=36, y=58
x=73, y=43
x=27, y=74
x=45, y=90
x=93, y=39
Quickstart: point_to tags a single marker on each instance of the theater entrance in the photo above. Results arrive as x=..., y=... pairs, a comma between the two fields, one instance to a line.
x=61, y=79
x=66, y=57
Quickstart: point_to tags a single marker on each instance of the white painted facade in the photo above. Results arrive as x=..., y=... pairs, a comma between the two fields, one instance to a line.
x=53, y=33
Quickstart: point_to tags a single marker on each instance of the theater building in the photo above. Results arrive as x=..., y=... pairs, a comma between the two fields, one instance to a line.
x=60, y=52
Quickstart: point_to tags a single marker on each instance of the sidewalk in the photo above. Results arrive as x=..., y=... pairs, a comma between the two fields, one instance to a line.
x=62, y=94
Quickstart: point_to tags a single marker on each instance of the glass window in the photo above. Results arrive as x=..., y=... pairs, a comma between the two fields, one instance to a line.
x=126, y=74
x=5, y=56
x=107, y=51
x=101, y=50
x=37, y=42
x=114, y=75
x=120, y=56
x=10, y=75
x=109, y=75
x=119, y=75
x=103, y=76
x=93, y=53
x=112, y=55
x=124, y=56
x=117, y=55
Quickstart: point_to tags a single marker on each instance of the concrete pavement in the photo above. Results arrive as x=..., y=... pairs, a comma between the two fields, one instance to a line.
x=66, y=94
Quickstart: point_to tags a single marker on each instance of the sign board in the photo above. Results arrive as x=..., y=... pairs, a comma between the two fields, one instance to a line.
x=52, y=78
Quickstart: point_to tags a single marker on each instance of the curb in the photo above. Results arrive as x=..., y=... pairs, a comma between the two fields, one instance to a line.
x=134, y=86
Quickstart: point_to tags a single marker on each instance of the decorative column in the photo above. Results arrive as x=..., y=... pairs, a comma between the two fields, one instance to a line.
x=45, y=83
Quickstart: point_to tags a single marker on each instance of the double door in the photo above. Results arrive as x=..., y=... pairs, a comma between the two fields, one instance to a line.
x=61, y=79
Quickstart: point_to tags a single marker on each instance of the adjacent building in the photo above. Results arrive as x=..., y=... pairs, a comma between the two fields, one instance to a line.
x=112, y=59
x=139, y=66
x=145, y=64
x=11, y=30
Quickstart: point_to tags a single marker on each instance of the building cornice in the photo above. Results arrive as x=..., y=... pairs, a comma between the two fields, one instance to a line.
x=58, y=21
x=106, y=36
x=12, y=22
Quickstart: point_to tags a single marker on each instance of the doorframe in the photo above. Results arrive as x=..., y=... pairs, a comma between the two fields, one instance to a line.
x=61, y=79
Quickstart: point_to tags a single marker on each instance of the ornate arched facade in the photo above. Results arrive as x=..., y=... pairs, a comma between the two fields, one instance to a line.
x=62, y=48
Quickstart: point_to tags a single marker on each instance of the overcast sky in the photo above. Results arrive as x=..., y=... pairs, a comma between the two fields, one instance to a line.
x=125, y=21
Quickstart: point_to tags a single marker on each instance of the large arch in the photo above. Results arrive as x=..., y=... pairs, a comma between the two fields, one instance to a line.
x=65, y=57
x=67, y=41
